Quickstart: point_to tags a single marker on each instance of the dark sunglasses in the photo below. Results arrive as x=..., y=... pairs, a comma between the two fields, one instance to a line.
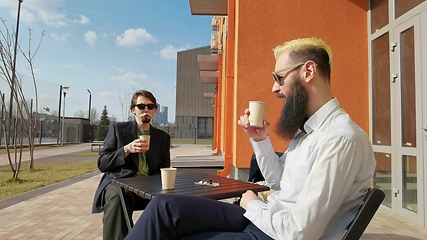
x=142, y=106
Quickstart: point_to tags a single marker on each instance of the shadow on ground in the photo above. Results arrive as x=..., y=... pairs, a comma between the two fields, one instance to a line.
x=73, y=158
x=367, y=236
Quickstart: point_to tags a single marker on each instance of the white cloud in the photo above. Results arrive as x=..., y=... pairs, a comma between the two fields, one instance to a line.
x=59, y=37
x=169, y=52
x=107, y=95
x=135, y=37
x=46, y=11
x=50, y=12
x=26, y=16
x=91, y=37
x=83, y=20
x=130, y=78
x=8, y=3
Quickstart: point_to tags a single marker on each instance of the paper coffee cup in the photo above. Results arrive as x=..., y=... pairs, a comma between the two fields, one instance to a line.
x=168, y=177
x=145, y=137
x=258, y=111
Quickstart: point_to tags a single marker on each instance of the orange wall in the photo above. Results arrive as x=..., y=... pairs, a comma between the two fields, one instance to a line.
x=260, y=27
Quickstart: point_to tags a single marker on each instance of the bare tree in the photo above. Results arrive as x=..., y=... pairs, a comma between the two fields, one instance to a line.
x=29, y=57
x=124, y=102
x=80, y=114
x=21, y=122
x=94, y=116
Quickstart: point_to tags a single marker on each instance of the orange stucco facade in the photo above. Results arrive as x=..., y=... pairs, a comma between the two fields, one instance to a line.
x=247, y=61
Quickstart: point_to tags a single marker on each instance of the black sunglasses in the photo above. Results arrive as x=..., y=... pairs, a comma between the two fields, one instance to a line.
x=142, y=106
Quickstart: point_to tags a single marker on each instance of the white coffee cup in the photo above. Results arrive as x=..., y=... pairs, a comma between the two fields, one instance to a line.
x=258, y=111
x=168, y=177
x=145, y=137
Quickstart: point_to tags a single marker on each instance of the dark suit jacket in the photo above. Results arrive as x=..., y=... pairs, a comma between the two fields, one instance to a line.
x=111, y=159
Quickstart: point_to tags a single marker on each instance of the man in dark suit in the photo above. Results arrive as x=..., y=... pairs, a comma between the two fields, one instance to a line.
x=126, y=155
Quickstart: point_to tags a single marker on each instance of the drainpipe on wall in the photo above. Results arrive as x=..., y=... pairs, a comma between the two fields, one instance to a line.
x=218, y=107
x=229, y=84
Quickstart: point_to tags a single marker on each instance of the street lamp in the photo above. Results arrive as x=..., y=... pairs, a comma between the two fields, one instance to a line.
x=90, y=126
x=64, y=90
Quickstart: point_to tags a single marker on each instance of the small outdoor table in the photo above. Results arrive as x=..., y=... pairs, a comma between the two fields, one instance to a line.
x=185, y=184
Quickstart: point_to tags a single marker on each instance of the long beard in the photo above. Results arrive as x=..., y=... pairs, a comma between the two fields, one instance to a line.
x=294, y=111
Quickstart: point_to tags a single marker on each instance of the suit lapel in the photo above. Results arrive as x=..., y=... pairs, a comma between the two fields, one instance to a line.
x=129, y=134
x=153, y=150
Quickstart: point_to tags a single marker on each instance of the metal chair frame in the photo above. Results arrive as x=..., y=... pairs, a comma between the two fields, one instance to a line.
x=367, y=210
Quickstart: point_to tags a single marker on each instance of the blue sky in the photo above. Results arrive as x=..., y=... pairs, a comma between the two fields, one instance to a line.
x=111, y=47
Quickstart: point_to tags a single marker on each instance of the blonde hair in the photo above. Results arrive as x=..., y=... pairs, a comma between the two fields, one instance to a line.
x=305, y=49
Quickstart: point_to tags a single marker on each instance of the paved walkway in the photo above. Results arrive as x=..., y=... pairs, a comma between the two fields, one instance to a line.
x=65, y=211
x=48, y=152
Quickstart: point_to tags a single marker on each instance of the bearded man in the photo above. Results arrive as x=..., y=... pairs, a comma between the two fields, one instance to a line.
x=320, y=180
x=126, y=155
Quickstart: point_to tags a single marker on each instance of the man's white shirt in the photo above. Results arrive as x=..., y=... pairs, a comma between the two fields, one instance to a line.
x=321, y=179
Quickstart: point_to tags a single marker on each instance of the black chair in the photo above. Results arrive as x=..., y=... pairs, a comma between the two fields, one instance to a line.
x=367, y=210
x=255, y=174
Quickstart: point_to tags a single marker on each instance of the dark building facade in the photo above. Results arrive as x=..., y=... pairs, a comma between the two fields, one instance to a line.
x=194, y=112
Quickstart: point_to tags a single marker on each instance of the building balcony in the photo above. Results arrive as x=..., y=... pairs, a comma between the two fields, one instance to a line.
x=209, y=7
x=209, y=77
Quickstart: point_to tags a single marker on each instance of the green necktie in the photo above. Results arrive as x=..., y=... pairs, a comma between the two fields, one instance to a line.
x=142, y=165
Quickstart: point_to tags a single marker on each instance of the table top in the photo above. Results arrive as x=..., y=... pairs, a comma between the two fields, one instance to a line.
x=151, y=186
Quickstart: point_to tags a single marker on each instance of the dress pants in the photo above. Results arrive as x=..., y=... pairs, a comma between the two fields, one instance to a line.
x=184, y=217
x=114, y=222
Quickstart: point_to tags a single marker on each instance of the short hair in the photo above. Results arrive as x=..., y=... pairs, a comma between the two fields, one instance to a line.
x=305, y=49
x=143, y=93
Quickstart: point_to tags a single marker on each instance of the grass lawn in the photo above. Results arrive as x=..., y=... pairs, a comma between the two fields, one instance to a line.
x=43, y=174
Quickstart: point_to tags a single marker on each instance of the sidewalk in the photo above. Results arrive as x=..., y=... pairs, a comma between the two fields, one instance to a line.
x=65, y=212
x=48, y=152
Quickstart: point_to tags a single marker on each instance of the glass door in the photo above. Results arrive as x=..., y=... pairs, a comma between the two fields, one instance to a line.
x=407, y=191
